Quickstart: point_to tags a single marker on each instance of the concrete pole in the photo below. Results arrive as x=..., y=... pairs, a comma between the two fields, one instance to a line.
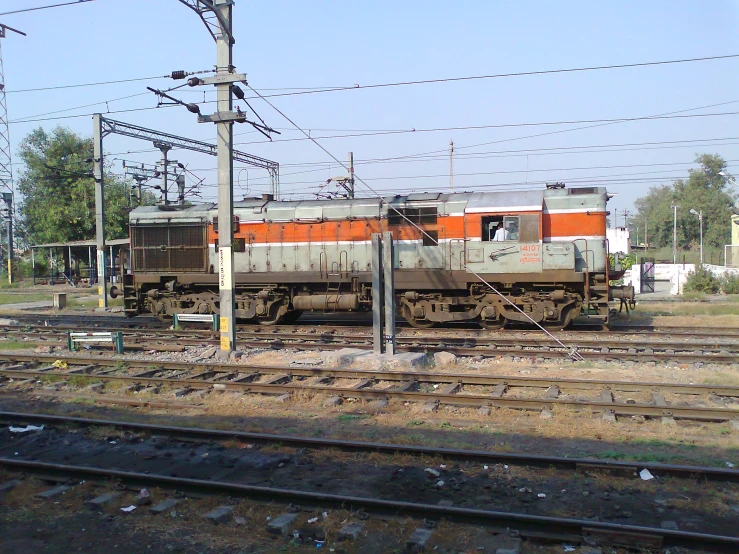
x=377, y=294
x=97, y=145
x=674, y=234
x=700, y=221
x=451, y=166
x=181, y=188
x=165, y=148
x=389, y=292
x=351, y=175
x=224, y=147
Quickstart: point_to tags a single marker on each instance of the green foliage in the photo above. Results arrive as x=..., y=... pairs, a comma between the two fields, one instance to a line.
x=625, y=261
x=702, y=280
x=58, y=190
x=729, y=283
x=704, y=190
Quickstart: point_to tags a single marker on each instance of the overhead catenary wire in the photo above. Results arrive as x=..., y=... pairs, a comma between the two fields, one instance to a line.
x=47, y=7
x=496, y=126
x=315, y=90
x=503, y=75
x=583, y=149
x=561, y=131
x=573, y=352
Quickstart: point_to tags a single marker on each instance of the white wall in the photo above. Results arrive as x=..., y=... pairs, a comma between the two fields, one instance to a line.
x=677, y=274
x=619, y=240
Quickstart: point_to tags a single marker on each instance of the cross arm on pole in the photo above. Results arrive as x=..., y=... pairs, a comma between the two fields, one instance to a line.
x=111, y=126
x=207, y=12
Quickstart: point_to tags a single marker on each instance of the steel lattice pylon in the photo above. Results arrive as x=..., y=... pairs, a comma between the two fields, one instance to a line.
x=6, y=167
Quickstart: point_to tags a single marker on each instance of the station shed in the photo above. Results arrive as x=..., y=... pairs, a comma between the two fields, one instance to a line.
x=75, y=262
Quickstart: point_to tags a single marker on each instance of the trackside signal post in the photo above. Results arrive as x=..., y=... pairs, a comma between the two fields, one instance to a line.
x=98, y=174
x=224, y=119
x=383, y=294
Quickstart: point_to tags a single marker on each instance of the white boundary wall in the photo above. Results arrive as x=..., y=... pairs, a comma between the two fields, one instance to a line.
x=677, y=274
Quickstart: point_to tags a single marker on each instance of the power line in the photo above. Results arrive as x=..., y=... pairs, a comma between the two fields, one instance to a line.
x=306, y=90
x=87, y=114
x=500, y=75
x=584, y=149
x=46, y=7
x=30, y=117
x=497, y=126
x=100, y=83
x=561, y=131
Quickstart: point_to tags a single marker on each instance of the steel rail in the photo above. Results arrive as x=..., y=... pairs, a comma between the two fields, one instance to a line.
x=546, y=352
x=306, y=321
x=417, y=376
x=468, y=400
x=657, y=469
x=208, y=337
x=528, y=525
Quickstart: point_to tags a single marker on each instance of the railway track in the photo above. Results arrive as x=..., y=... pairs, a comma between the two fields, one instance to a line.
x=448, y=454
x=572, y=529
x=715, y=403
x=691, y=351
x=331, y=324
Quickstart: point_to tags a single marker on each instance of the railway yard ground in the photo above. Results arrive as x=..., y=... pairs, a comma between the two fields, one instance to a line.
x=499, y=444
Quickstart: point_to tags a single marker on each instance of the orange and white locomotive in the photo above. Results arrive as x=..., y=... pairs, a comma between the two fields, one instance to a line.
x=544, y=250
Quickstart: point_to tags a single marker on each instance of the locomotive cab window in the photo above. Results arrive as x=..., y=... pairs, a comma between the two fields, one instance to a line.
x=519, y=228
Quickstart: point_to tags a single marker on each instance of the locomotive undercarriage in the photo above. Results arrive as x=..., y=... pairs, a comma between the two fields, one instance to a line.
x=550, y=305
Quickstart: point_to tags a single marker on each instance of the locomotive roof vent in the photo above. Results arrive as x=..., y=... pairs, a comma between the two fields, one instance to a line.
x=583, y=190
x=268, y=197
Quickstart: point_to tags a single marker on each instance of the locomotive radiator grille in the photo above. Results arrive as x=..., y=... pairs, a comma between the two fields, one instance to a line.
x=166, y=248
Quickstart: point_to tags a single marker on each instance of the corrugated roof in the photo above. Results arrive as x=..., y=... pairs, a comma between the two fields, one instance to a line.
x=76, y=243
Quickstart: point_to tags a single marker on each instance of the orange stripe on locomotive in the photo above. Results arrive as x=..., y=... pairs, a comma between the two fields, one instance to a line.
x=469, y=226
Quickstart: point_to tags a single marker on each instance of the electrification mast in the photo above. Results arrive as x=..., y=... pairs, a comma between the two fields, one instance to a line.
x=218, y=18
x=6, y=168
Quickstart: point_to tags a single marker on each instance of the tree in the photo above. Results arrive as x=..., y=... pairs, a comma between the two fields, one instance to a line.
x=706, y=189
x=58, y=190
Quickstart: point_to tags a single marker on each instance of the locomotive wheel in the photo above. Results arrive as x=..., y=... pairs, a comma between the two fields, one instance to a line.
x=418, y=324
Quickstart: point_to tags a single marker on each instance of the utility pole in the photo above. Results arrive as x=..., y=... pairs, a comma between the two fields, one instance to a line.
x=451, y=165
x=98, y=174
x=351, y=175
x=674, y=234
x=224, y=145
x=217, y=17
x=181, y=189
x=164, y=148
x=6, y=166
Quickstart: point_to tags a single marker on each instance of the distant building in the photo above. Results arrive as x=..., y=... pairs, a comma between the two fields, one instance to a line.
x=619, y=240
x=731, y=251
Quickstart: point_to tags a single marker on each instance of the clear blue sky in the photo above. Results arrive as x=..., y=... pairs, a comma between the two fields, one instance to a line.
x=293, y=44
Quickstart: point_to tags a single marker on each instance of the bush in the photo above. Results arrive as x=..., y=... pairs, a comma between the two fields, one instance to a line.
x=702, y=280
x=730, y=283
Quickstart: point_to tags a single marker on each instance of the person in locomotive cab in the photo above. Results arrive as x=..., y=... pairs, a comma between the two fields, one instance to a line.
x=501, y=234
